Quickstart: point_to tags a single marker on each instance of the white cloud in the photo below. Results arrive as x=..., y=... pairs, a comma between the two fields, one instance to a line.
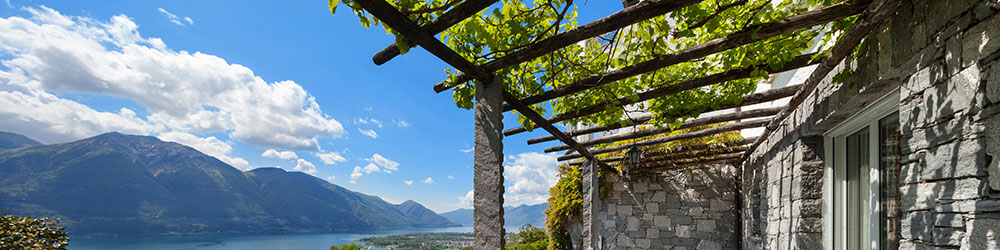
x=287, y=155
x=467, y=200
x=49, y=53
x=369, y=133
x=330, y=158
x=209, y=145
x=403, y=124
x=331, y=177
x=532, y=174
x=451, y=177
x=429, y=180
x=356, y=175
x=368, y=108
x=305, y=166
x=467, y=150
x=371, y=168
x=408, y=183
x=384, y=162
x=375, y=122
x=174, y=18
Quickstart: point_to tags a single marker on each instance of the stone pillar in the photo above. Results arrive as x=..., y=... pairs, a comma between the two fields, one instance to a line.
x=488, y=167
x=591, y=206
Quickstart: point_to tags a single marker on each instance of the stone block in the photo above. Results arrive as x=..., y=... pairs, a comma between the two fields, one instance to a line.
x=964, y=158
x=682, y=220
x=632, y=224
x=642, y=243
x=946, y=236
x=993, y=84
x=652, y=208
x=705, y=225
x=917, y=225
x=949, y=220
x=661, y=221
x=918, y=197
x=946, y=98
x=959, y=189
x=640, y=187
x=980, y=41
x=709, y=245
x=953, y=56
x=659, y=196
x=717, y=205
x=993, y=149
x=982, y=234
x=625, y=241
x=653, y=233
x=683, y=231
x=625, y=210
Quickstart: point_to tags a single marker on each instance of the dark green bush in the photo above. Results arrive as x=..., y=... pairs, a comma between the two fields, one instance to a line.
x=25, y=232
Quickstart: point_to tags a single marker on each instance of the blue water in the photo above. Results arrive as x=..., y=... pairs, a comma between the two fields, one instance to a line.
x=270, y=242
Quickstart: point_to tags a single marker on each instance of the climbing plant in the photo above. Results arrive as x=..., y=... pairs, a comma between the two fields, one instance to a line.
x=505, y=28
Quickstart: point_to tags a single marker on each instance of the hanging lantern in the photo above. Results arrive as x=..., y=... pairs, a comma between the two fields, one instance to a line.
x=634, y=155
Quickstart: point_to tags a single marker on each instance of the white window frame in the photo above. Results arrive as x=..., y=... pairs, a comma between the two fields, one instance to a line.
x=834, y=175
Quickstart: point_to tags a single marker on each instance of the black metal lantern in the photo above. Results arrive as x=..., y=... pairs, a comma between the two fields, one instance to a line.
x=634, y=155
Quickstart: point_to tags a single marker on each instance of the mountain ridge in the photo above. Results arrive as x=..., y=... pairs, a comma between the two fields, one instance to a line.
x=117, y=184
x=514, y=216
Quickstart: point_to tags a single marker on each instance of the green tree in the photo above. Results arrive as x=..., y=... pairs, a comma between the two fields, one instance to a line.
x=350, y=246
x=25, y=232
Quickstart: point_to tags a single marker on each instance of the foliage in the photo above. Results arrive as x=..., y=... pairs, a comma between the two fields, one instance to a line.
x=565, y=206
x=25, y=232
x=420, y=241
x=529, y=238
x=350, y=246
x=671, y=146
x=501, y=30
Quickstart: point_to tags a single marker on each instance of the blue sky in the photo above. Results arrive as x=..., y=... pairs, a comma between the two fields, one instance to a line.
x=256, y=84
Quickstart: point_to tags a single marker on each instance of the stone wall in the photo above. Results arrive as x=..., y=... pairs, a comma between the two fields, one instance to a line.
x=941, y=55
x=671, y=210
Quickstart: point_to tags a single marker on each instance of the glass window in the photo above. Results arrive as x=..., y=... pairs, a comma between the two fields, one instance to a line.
x=889, y=154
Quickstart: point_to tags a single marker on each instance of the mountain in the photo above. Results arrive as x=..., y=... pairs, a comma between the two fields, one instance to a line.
x=513, y=216
x=116, y=184
x=10, y=140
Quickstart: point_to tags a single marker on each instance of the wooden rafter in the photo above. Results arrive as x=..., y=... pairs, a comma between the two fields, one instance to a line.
x=655, y=131
x=840, y=50
x=628, y=16
x=657, y=156
x=751, y=34
x=695, y=134
x=439, y=24
x=746, y=114
x=392, y=17
x=751, y=99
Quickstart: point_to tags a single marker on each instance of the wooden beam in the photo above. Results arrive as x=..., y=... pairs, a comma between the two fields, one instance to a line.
x=687, y=154
x=439, y=24
x=530, y=114
x=751, y=99
x=798, y=62
x=665, y=90
x=720, y=161
x=755, y=113
x=747, y=36
x=867, y=22
x=695, y=134
x=628, y=16
x=655, y=131
x=397, y=21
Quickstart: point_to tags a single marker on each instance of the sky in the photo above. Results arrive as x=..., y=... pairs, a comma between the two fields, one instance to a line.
x=255, y=84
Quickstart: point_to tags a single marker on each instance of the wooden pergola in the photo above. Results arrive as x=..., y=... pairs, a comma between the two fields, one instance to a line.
x=491, y=99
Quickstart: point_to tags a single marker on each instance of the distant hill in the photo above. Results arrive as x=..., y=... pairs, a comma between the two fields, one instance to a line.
x=10, y=140
x=513, y=216
x=116, y=184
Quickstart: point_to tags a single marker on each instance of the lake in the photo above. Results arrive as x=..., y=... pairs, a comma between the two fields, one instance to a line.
x=275, y=242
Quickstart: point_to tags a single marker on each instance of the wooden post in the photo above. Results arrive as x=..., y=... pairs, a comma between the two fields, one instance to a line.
x=591, y=206
x=488, y=166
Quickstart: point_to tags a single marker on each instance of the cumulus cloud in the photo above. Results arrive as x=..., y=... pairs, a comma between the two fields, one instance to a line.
x=467, y=200
x=331, y=177
x=377, y=163
x=532, y=174
x=383, y=162
x=50, y=53
x=287, y=155
x=305, y=166
x=369, y=133
x=429, y=180
x=330, y=158
x=174, y=18
x=209, y=145
x=408, y=183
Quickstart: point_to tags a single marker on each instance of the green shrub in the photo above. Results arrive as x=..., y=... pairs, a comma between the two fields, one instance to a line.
x=25, y=232
x=350, y=246
x=529, y=238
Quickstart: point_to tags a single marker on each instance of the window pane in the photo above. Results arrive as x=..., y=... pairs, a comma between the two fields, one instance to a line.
x=857, y=192
x=889, y=154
